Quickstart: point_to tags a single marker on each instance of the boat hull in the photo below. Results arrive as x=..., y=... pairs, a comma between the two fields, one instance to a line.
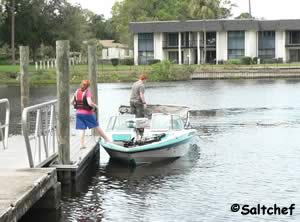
x=170, y=151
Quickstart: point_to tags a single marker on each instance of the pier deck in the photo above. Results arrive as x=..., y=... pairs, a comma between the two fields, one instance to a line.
x=21, y=189
x=15, y=157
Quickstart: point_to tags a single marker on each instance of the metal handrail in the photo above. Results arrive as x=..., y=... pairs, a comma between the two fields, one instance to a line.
x=6, y=124
x=44, y=133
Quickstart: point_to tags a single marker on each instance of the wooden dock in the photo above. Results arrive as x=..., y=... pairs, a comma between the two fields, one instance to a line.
x=15, y=157
x=21, y=189
x=47, y=135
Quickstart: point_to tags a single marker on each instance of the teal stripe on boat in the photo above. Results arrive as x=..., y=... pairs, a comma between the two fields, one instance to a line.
x=148, y=147
x=121, y=137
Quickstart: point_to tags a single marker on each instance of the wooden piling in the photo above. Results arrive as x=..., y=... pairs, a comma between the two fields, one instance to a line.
x=63, y=123
x=24, y=80
x=92, y=60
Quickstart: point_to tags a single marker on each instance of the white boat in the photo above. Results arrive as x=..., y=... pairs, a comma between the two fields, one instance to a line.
x=163, y=136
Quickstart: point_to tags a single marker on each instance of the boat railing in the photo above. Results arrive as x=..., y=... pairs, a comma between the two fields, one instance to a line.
x=5, y=127
x=39, y=130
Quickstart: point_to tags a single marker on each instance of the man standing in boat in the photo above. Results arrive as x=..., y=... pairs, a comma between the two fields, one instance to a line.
x=137, y=98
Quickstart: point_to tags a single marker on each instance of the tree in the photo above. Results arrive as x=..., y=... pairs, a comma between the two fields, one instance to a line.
x=99, y=27
x=72, y=26
x=244, y=15
x=127, y=11
x=42, y=22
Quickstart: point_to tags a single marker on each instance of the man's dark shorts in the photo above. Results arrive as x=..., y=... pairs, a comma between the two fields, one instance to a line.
x=137, y=108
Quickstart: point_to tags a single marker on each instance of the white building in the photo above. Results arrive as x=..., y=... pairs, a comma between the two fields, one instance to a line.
x=115, y=50
x=213, y=41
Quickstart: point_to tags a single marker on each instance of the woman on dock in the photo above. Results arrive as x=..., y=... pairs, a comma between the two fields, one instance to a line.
x=85, y=112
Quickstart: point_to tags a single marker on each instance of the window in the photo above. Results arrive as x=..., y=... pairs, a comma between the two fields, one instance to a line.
x=294, y=55
x=173, y=56
x=145, y=47
x=211, y=39
x=293, y=37
x=236, y=44
x=266, y=44
x=173, y=39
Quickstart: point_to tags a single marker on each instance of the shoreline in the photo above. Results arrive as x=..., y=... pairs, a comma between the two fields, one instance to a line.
x=199, y=73
x=245, y=74
x=195, y=76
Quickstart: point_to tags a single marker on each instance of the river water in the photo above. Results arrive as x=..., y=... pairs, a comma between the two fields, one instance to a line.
x=248, y=153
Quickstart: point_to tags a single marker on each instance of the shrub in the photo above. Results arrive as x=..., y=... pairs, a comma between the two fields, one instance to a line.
x=115, y=61
x=161, y=71
x=254, y=60
x=127, y=61
x=246, y=60
x=165, y=70
x=182, y=72
x=4, y=59
x=280, y=60
x=153, y=61
x=234, y=61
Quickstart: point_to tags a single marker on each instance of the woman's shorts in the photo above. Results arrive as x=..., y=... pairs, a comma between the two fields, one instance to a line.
x=84, y=121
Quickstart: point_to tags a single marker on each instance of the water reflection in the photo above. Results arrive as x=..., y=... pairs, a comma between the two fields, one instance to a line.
x=156, y=171
x=116, y=182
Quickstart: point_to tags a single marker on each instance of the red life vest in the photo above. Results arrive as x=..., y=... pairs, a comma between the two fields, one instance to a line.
x=80, y=100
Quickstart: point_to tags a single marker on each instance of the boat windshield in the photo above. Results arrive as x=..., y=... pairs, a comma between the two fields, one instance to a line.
x=119, y=123
x=163, y=122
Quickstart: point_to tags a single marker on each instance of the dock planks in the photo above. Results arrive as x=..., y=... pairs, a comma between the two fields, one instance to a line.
x=21, y=189
x=15, y=157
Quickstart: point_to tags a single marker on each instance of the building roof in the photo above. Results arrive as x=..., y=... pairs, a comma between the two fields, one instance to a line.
x=111, y=44
x=214, y=25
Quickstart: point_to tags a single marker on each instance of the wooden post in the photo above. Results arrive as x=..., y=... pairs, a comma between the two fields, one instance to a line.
x=24, y=80
x=92, y=60
x=63, y=120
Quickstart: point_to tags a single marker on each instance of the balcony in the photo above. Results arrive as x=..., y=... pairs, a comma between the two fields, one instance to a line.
x=173, y=45
x=292, y=45
x=189, y=44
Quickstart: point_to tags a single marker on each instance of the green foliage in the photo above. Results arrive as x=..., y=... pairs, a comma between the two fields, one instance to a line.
x=161, y=71
x=165, y=71
x=213, y=9
x=153, y=61
x=99, y=27
x=42, y=22
x=115, y=61
x=246, y=60
x=244, y=15
x=127, y=11
x=127, y=61
x=254, y=60
x=4, y=59
x=233, y=62
x=280, y=60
